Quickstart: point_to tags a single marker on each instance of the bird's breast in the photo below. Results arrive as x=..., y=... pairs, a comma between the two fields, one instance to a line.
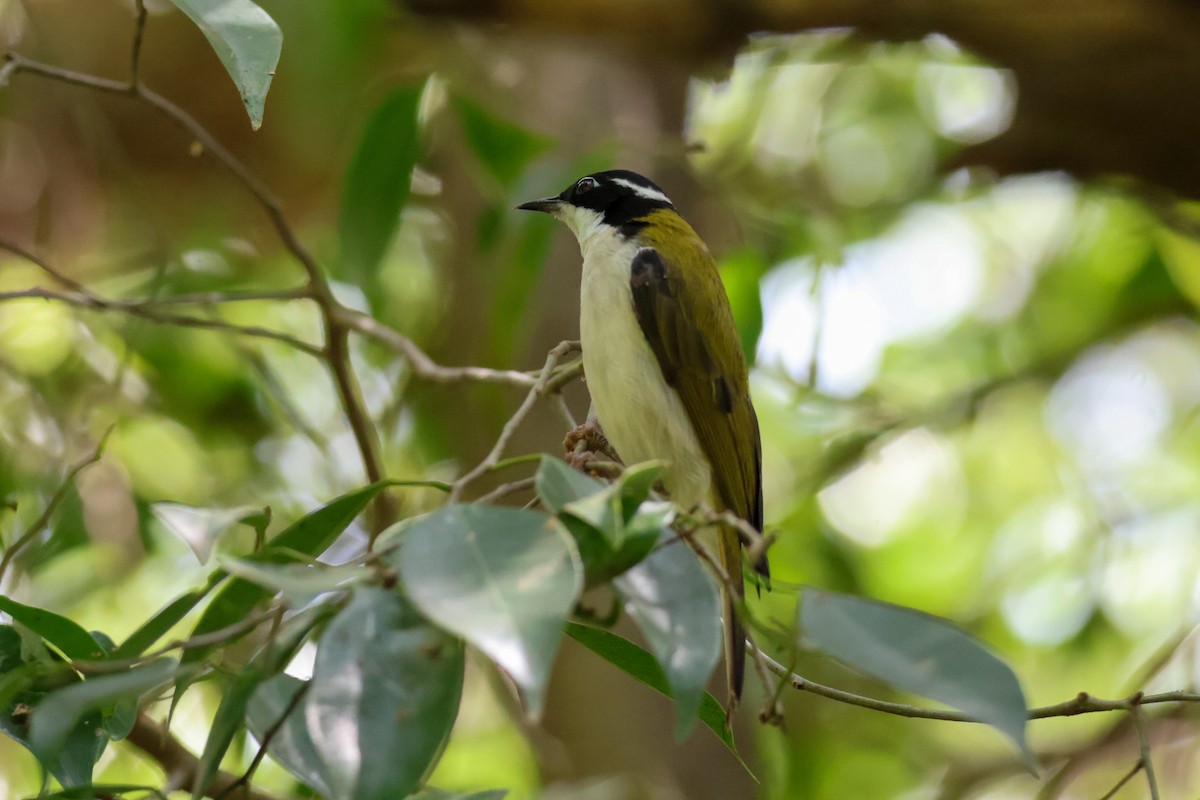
x=642, y=416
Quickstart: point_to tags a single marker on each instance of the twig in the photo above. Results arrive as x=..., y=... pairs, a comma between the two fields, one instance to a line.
x=424, y=366
x=332, y=311
x=510, y=427
x=56, y=500
x=560, y=404
x=1144, y=757
x=143, y=310
x=1083, y=703
x=772, y=710
x=1111, y=793
x=268, y=736
x=756, y=543
x=179, y=763
x=218, y=636
x=135, y=56
x=383, y=511
x=505, y=489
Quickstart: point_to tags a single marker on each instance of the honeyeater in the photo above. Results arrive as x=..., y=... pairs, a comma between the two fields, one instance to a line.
x=663, y=360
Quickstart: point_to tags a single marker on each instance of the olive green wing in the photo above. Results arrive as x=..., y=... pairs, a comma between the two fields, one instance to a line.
x=694, y=339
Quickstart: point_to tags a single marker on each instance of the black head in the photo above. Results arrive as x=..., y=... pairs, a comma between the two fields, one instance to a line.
x=618, y=196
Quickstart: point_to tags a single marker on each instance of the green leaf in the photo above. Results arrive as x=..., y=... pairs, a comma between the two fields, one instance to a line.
x=157, y=626
x=299, y=583
x=378, y=182
x=559, y=484
x=200, y=528
x=291, y=745
x=918, y=653
x=677, y=606
x=429, y=793
x=503, y=148
x=383, y=698
x=612, y=507
x=642, y=667
x=309, y=535
x=247, y=41
x=54, y=718
x=561, y=487
x=504, y=579
x=230, y=714
x=24, y=686
x=74, y=642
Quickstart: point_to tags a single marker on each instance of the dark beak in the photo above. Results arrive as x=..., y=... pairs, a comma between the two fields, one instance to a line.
x=546, y=204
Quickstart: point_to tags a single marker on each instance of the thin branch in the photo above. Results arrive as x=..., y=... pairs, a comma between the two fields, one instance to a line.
x=224, y=298
x=135, y=56
x=505, y=489
x=332, y=311
x=772, y=711
x=142, y=310
x=180, y=765
x=383, y=511
x=1083, y=703
x=1111, y=793
x=424, y=366
x=510, y=427
x=560, y=405
x=1144, y=757
x=268, y=737
x=60, y=494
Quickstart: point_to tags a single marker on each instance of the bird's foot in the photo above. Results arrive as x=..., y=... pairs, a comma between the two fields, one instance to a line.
x=588, y=450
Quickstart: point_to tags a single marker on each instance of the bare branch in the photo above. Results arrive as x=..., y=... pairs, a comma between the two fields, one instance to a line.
x=510, y=427
x=268, y=737
x=1083, y=703
x=60, y=494
x=135, y=56
x=1144, y=759
x=422, y=364
x=181, y=765
x=332, y=311
x=1111, y=793
x=505, y=489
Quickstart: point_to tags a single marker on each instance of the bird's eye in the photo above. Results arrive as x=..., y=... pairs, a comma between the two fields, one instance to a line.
x=585, y=185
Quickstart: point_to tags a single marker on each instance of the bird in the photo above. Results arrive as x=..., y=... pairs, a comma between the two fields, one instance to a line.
x=664, y=363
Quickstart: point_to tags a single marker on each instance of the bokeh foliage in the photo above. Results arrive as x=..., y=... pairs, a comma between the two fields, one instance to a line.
x=977, y=393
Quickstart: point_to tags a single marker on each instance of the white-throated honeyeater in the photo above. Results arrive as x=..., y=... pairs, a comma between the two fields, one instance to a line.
x=663, y=361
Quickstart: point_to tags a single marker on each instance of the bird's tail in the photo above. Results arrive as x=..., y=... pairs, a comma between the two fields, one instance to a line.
x=735, y=634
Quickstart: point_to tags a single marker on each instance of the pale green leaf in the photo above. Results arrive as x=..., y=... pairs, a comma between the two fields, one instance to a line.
x=504, y=579
x=247, y=41
x=918, y=653
x=677, y=606
x=383, y=698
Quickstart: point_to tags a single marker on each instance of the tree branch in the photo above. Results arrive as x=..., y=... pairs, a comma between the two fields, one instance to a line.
x=60, y=494
x=180, y=765
x=1144, y=759
x=1083, y=703
x=319, y=288
x=538, y=389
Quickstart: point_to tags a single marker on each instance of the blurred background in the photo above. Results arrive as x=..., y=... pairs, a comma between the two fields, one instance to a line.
x=960, y=245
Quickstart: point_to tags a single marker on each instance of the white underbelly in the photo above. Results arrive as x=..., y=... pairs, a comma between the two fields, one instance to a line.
x=642, y=416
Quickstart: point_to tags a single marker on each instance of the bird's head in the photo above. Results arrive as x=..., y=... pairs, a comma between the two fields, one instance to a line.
x=617, y=199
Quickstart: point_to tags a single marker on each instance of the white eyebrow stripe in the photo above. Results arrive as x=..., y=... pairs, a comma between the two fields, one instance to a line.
x=643, y=191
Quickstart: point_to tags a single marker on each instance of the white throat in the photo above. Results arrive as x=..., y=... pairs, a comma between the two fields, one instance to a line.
x=585, y=223
x=642, y=416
